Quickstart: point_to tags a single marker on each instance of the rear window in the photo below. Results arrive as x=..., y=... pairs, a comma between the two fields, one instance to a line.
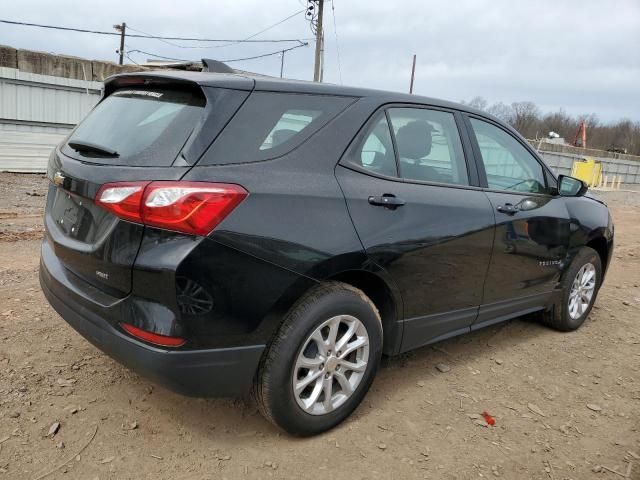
x=137, y=127
x=270, y=125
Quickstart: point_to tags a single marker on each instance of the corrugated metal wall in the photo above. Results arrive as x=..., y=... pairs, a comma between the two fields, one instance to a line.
x=36, y=112
x=26, y=151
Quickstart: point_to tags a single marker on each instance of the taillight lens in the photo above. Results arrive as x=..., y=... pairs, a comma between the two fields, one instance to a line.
x=189, y=207
x=123, y=199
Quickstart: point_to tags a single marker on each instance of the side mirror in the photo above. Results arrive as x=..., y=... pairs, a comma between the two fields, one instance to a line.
x=571, y=187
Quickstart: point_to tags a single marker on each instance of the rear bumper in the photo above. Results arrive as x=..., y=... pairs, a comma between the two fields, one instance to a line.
x=222, y=372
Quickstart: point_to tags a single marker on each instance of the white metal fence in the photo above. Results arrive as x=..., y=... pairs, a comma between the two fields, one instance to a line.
x=36, y=112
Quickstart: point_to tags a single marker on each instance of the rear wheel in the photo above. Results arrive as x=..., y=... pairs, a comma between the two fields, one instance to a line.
x=322, y=361
x=580, y=288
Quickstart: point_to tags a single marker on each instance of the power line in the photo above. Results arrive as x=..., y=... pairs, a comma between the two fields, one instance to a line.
x=224, y=61
x=157, y=37
x=274, y=25
x=148, y=35
x=335, y=31
x=266, y=54
x=226, y=44
x=126, y=54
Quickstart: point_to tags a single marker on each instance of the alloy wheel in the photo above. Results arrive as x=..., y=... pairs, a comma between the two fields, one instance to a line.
x=582, y=290
x=330, y=364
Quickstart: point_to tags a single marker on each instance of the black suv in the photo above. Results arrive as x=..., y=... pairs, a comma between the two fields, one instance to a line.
x=223, y=234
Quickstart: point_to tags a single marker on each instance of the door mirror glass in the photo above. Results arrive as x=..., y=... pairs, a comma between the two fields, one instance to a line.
x=571, y=187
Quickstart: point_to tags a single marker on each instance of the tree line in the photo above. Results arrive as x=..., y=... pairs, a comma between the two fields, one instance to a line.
x=528, y=119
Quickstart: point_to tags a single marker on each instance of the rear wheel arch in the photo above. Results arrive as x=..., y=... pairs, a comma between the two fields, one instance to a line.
x=281, y=369
x=383, y=297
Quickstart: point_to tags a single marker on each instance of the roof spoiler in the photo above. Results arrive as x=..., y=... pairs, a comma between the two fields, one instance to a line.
x=215, y=66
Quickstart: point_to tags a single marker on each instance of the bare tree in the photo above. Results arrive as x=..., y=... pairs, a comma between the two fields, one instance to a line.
x=524, y=118
x=530, y=122
x=477, y=102
x=502, y=111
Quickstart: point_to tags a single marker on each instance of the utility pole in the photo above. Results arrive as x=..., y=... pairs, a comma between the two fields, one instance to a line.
x=413, y=73
x=281, y=62
x=322, y=60
x=319, y=36
x=122, y=29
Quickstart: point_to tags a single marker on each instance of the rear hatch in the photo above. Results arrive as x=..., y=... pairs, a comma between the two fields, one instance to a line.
x=146, y=128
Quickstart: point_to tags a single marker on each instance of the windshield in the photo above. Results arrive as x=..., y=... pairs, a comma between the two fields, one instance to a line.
x=142, y=127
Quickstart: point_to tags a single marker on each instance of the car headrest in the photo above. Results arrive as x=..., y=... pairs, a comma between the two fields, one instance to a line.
x=282, y=135
x=414, y=139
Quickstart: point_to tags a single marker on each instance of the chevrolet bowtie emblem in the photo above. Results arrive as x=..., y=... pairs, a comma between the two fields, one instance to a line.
x=58, y=179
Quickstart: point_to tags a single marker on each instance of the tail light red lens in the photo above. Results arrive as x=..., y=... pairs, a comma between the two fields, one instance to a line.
x=150, y=337
x=123, y=199
x=189, y=207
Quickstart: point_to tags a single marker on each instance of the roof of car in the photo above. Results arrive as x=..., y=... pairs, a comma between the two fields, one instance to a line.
x=262, y=83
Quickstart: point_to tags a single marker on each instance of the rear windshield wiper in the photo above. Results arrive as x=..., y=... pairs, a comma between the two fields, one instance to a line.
x=93, y=148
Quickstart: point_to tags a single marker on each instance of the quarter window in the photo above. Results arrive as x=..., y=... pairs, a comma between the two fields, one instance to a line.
x=429, y=147
x=271, y=124
x=290, y=123
x=508, y=164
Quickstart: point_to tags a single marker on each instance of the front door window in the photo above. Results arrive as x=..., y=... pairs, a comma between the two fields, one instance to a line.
x=508, y=165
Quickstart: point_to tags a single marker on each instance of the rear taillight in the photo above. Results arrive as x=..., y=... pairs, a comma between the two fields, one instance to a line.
x=189, y=207
x=155, y=338
x=123, y=199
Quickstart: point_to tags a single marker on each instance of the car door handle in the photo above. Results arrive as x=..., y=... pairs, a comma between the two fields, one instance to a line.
x=508, y=209
x=387, y=200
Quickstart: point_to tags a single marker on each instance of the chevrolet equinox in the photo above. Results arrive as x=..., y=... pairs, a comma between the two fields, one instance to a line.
x=226, y=234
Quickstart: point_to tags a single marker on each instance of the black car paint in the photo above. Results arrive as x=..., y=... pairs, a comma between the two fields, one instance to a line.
x=436, y=248
x=307, y=219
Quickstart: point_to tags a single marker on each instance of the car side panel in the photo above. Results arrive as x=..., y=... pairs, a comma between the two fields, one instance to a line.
x=530, y=247
x=591, y=219
x=436, y=247
x=294, y=219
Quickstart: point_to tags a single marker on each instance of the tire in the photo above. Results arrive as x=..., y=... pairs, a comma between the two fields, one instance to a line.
x=563, y=316
x=330, y=307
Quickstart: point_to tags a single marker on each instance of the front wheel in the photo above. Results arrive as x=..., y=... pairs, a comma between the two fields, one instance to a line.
x=322, y=361
x=580, y=289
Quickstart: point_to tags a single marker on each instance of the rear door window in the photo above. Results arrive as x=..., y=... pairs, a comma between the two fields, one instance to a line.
x=429, y=147
x=374, y=149
x=272, y=124
x=137, y=127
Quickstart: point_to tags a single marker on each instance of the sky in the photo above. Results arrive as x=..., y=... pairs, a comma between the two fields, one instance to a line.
x=579, y=55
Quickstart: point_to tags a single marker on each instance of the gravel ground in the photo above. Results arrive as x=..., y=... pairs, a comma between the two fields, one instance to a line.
x=566, y=405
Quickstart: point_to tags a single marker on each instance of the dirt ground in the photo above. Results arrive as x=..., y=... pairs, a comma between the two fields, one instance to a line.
x=567, y=406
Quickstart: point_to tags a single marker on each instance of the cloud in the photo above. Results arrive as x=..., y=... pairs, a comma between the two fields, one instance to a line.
x=580, y=55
